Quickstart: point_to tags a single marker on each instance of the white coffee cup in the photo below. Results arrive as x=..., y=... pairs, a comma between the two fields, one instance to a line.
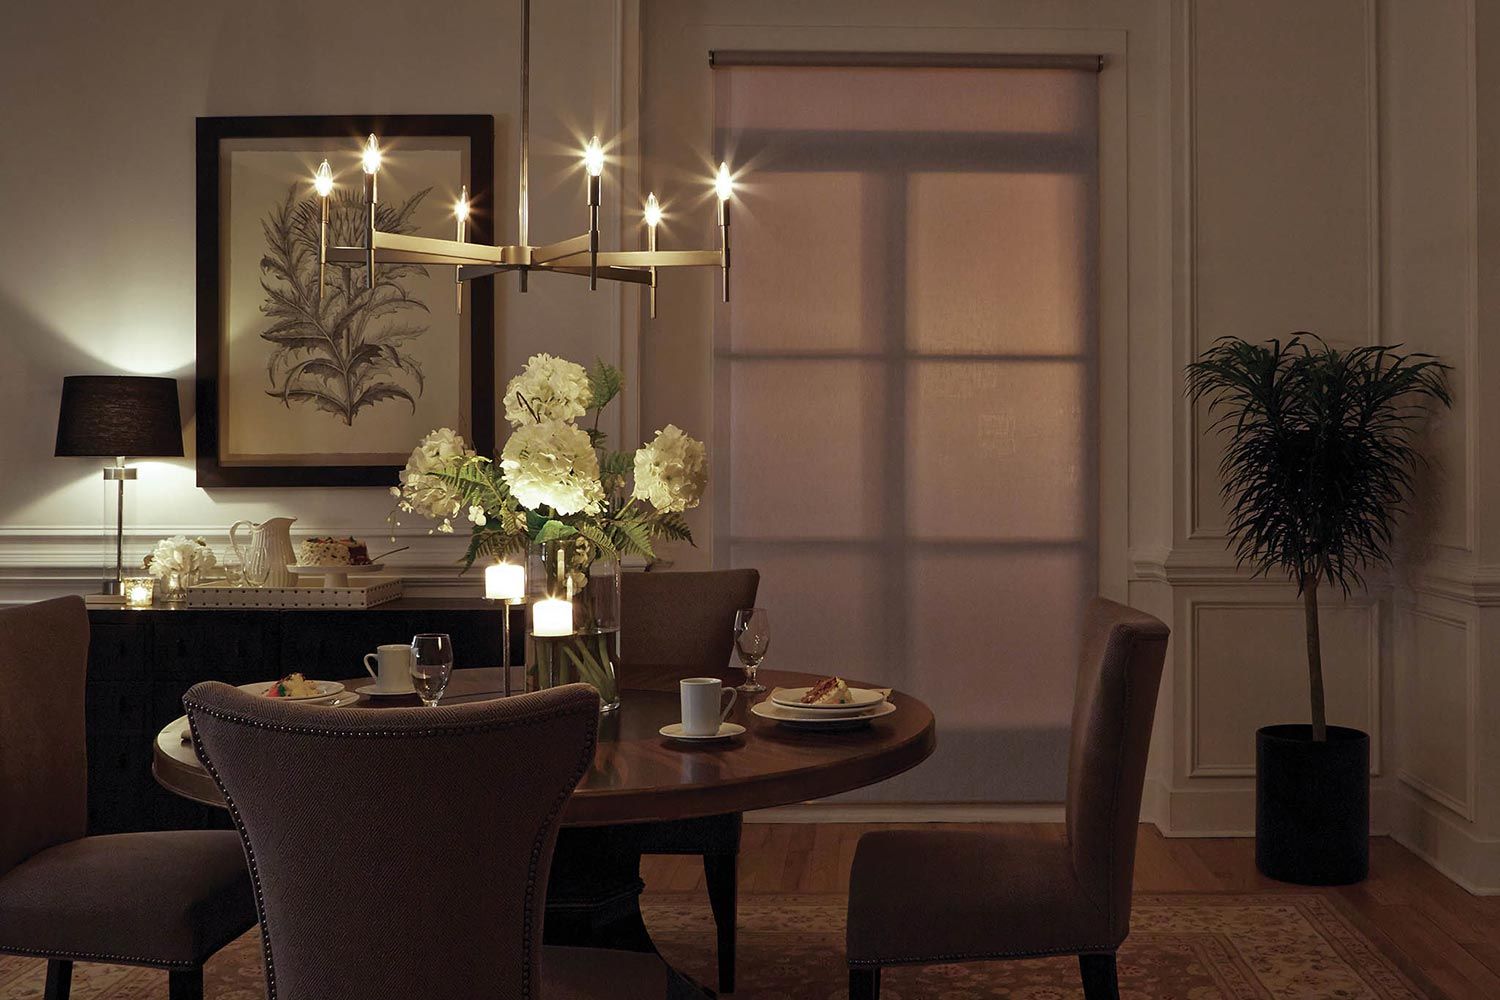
x=702, y=705
x=394, y=663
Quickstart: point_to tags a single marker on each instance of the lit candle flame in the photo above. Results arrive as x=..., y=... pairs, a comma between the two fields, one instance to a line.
x=653, y=211
x=323, y=180
x=370, y=157
x=461, y=209
x=723, y=183
x=593, y=157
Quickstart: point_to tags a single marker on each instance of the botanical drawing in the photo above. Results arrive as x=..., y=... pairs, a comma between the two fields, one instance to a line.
x=351, y=349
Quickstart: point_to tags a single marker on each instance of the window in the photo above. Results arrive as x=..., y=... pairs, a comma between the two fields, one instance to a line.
x=905, y=393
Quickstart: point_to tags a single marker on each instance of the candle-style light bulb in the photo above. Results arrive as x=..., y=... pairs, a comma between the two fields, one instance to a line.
x=323, y=180
x=593, y=157
x=653, y=211
x=369, y=157
x=323, y=184
x=723, y=183
x=461, y=207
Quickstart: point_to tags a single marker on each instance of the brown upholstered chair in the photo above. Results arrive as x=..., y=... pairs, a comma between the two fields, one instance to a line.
x=925, y=897
x=678, y=625
x=162, y=899
x=405, y=853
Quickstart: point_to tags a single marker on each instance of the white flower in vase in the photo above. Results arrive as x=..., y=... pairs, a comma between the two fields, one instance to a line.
x=548, y=388
x=423, y=493
x=553, y=464
x=189, y=558
x=671, y=471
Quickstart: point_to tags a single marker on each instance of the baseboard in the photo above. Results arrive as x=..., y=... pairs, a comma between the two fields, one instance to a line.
x=910, y=812
x=1225, y=807
x=1446, y=842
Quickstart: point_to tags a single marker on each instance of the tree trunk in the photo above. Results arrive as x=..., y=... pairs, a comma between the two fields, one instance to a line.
x=1314, y=658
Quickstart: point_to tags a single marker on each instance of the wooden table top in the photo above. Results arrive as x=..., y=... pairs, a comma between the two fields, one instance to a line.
x=639, y=775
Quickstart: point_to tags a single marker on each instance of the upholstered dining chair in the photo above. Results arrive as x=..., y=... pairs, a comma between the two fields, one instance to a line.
x=405, y=852
x=921, y=897
x=677, y=625
x=168, y=899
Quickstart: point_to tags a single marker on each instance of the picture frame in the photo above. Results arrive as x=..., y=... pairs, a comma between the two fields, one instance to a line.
x=334, y=387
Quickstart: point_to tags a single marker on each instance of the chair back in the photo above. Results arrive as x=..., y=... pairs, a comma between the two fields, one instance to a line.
x=400, y=852
x=676, y=625
x=44, y=654
x=1114, y=704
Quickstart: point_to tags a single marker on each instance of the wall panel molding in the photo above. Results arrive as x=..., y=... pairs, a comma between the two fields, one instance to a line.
x=1197, y=766
x=1465, y=806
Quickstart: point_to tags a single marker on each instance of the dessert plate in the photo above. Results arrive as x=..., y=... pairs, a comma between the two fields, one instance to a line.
x=859, y=698
x=335, y=574
x=325, y=689
x=726, y=730
x=800, y=718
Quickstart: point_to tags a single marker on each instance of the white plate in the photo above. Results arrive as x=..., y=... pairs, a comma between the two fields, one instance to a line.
x=860, y=698
x=726, y=730
x=325, y=689
x=800, y=719
x=371, y=691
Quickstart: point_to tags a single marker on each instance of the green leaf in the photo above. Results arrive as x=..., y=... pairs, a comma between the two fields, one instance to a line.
x=554, y=531
x=605, y=383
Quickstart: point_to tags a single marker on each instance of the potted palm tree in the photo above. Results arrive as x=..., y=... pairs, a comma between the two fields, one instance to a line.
x=1317, y=468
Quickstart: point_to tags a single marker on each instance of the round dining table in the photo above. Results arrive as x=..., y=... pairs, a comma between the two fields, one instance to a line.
x=641, y=780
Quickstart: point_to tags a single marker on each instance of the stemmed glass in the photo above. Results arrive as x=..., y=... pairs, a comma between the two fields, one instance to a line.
x=431, y=666
x=752, y=637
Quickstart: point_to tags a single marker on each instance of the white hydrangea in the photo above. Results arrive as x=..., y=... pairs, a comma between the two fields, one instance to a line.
x=423, y=493
x=552, y=464
x=188, y=557
x=548, y=388
x=671, y=471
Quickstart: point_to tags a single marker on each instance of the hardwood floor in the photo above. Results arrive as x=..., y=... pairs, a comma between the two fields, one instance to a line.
x=1414, y=913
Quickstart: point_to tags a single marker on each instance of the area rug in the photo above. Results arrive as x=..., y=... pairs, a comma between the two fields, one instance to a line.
x=1283, y=946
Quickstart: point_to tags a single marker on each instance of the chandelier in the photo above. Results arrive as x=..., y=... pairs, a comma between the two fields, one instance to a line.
x=579, y=255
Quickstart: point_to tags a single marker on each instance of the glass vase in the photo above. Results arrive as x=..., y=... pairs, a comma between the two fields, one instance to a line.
x=573, y=570
x=173, y=587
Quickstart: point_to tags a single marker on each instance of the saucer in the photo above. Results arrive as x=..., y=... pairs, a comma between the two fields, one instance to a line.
x=374, y=691
x=726, y=730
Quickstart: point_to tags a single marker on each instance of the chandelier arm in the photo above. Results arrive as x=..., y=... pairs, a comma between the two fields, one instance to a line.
x=639, y=276
x=562, y=248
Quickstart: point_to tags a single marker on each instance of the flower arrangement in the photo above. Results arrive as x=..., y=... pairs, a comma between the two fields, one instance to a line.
x=555, y=480
x=185, y=558
x=559, y=491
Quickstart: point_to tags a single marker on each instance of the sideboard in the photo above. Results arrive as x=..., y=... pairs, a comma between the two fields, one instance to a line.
x=141, y=662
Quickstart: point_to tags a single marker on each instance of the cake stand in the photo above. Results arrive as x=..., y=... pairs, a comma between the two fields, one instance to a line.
x=335, y=574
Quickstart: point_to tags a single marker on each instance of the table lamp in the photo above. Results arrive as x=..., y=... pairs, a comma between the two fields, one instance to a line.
x=119, y=416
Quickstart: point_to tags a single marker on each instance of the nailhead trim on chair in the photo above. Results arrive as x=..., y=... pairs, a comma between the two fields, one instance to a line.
x=531, y=874
x=92, y=956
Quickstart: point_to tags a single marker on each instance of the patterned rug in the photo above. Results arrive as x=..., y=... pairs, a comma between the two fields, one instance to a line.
x=1285, y=946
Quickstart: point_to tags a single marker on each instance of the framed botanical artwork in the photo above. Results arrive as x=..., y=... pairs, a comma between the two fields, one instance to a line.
x=318, y=376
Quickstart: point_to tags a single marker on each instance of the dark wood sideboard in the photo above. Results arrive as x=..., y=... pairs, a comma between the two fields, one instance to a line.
x=141, y=662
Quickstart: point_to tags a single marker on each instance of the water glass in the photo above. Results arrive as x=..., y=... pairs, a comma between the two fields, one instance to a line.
x=431, y=666
x=752, y=638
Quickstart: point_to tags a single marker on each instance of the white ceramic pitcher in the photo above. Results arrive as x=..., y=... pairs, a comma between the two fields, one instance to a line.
x=269, y=552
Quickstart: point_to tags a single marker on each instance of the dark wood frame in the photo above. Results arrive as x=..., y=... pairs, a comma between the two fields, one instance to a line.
x=480, y=131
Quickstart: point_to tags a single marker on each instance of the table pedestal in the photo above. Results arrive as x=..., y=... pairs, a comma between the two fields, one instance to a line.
x=594, y=896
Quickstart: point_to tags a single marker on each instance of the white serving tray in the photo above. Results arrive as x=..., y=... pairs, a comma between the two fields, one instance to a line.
x=367, y=593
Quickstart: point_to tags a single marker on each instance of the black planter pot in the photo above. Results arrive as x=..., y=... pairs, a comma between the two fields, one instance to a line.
x=1312, y=805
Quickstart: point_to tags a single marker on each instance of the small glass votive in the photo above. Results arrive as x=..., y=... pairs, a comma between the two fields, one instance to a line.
x=138, y=591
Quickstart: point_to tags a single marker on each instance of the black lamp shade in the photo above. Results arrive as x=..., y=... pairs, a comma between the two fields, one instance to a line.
x=119, y=415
